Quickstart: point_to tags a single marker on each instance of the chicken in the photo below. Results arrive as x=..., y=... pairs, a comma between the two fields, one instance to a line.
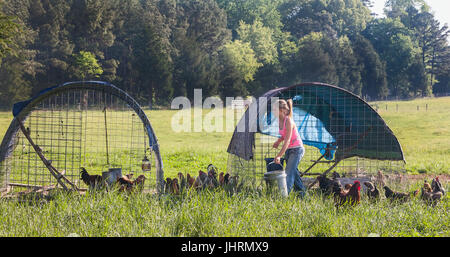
x=347, y=187
x=328, y=186
x=129, y=176
x=380, y=179
x=201, y=181
x=226, y=179
x=183, y=184
x=221, y=179
x=212, y=178
x=127, y=185
x=139, y=182
x=175, y=187
x=436, y=186
x=429, y=196
x=372, y=191
x=231, y=186
x=90, y=180
x=398, y=196
x=168, y=186
x=352, y=197
x=190, y=180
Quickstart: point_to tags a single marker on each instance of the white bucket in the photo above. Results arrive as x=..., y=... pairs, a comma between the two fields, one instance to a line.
x=280, y=177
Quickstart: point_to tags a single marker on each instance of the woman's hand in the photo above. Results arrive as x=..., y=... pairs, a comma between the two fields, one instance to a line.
x=276, y=144
x=277, y=160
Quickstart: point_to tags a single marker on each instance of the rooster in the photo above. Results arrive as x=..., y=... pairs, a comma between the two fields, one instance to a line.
x=352, y=197
x=436, y=186
x=372, y=191
x=398, y=196
x=429, y=196
x=90, y=180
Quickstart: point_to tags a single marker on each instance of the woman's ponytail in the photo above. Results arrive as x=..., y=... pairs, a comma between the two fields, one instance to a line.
x=291, y=110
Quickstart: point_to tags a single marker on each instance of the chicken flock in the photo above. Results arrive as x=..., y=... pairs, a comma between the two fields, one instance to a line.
x=350, y=194
x=124, y=183
x=204, y=180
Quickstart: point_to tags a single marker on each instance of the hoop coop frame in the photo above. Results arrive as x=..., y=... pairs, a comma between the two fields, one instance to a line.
x=339, y=130
x=88, y=124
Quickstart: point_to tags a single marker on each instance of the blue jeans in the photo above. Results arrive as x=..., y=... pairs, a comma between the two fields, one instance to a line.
x=293, y=157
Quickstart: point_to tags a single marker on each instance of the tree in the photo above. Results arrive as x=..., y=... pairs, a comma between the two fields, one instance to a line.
x=394, y=45
x=240, y=56
x=260, y=40
x=85, y=66
x=373, y=73
x=8, y=31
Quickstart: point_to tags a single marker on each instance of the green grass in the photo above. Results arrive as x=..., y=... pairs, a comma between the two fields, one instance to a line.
x=422, y=134
x=217, y=214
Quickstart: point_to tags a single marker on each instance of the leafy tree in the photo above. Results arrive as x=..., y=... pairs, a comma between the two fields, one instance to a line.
x=260, y=40
x=85, y=66
x=241, y=57
x=373, y=73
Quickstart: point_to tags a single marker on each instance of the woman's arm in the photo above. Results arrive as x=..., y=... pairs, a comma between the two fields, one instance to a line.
x=287, y=140
x=277, y=143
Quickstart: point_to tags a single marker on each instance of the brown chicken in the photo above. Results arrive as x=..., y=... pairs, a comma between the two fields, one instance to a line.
x=352, y=197
x=91, y=180
x=175, y=187
x=127, y=185
x=398, y=196
x=429, y=196
x=190, y=180
x=139, y=182
x=221, y=179
x=200, y=181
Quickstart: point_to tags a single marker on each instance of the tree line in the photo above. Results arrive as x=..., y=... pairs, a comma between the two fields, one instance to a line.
x=160, y=49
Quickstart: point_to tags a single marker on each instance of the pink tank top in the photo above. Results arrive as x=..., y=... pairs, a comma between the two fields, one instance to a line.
x=296, y=141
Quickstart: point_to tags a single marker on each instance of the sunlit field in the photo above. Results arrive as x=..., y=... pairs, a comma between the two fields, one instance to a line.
x=423, y=135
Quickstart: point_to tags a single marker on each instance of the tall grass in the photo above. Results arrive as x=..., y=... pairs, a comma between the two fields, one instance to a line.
x=218, y=214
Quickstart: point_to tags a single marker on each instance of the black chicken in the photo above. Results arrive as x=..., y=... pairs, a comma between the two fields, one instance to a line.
x=436, y=186
x=398, y=196
x=90, y=180
x=328, y=186
x=372, y=191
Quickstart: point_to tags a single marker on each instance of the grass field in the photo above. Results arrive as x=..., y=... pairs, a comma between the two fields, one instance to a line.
x=423, y=134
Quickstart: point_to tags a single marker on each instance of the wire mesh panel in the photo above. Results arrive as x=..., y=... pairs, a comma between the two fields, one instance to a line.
x=77, y=128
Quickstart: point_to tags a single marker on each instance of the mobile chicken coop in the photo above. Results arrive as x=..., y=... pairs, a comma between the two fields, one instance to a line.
x=340, y=132
x=89, y=124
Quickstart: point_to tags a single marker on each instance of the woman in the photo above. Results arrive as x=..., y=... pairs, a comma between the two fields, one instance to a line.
x=292, y=145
